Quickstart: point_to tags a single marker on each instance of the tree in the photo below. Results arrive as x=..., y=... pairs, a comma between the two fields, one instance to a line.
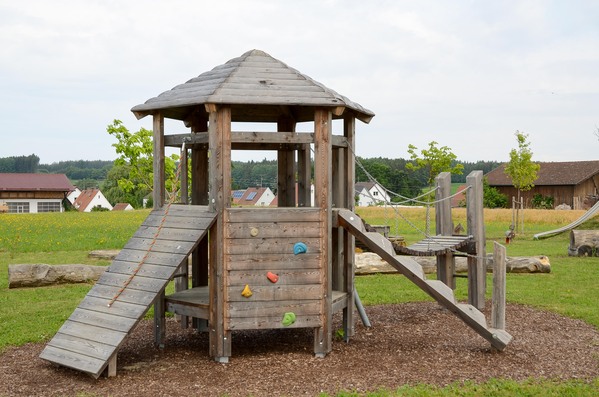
x=434, y=160
x=522, y=171
x=135, y=151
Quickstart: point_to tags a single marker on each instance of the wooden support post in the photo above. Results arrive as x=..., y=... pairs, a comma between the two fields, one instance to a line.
x=199, y=196
x=444, y=227
x=183, y=177
x=304, y=171
x=349, y=244
x=286, y=167
x=322, y=199
x=181, y=284
x=112, y=365
x=159, y=184
x=338, y=201
x=219, y=137
x=159, y=320
x=476, y=228
x=498, y=299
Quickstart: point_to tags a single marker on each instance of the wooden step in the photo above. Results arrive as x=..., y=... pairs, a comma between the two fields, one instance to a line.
x=473, y=313
x=443, y=289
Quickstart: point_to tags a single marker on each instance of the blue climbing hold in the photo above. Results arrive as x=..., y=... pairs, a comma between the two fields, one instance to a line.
x=300, y=248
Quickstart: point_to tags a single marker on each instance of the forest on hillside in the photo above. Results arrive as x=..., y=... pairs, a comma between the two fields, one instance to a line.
x=391, y=173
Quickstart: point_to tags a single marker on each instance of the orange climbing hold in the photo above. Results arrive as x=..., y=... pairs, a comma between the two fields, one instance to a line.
x=273, y=278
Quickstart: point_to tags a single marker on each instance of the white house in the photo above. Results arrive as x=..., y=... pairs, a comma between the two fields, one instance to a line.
x=90, y=198
x=73, y=195
x=370, y=193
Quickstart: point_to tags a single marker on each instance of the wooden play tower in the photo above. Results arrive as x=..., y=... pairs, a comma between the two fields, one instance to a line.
x=288, y=266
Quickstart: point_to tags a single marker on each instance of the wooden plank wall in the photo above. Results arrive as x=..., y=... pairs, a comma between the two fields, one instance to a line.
x=262, y=240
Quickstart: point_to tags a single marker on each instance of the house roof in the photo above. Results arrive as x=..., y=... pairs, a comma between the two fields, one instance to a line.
x=85, y=198
x=17, y=182
x=359, y=186
x=252, y=195
x=121, y=206
x=551, y=173
x=254, y=78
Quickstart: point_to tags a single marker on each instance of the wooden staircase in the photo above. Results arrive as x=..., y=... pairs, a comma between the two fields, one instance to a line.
x=90, y=338
x=438, y=290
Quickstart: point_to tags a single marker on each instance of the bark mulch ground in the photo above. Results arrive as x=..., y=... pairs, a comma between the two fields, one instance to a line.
x=407, y=344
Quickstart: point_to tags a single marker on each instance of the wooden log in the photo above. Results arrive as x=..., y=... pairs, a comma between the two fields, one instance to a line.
x=584, y=243
x=369, y=263
x=40, y=275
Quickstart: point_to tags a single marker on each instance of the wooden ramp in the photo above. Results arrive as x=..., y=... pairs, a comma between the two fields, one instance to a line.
x=438, y=290
x=92, y=335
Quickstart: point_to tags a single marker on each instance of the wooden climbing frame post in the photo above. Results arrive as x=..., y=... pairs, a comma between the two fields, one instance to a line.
x=444, y=227
x=476, y=228
x=498, y=300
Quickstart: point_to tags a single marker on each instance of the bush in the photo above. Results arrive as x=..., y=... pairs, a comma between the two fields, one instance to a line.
x=542, y=202
x=492, y=198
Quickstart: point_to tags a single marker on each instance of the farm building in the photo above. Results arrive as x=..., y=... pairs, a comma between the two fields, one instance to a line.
x=254, y=268
x=575, y=183
x=33, y=193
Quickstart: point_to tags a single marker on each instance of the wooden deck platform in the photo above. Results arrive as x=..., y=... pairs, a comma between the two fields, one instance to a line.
x=435, y=245
x=92, y=335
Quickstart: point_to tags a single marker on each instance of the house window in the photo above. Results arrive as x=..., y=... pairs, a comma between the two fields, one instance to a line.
x=18, y=207
x=48, y=207
x=375, y=193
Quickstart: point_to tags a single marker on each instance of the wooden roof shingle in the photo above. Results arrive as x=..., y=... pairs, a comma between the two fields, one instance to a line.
x=551, y=173
x=257, y=86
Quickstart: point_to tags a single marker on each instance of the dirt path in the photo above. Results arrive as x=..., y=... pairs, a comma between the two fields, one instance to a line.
x=408, y=343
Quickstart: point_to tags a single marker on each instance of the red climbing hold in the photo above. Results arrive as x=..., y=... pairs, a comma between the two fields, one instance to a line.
x=273, y=278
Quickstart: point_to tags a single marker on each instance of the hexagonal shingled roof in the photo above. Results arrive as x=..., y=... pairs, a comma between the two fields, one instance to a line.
x=258, y=87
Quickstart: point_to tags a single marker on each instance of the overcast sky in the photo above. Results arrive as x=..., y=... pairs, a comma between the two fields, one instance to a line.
x=466, y=74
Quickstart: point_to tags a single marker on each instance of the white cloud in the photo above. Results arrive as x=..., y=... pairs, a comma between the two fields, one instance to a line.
x=467, y=74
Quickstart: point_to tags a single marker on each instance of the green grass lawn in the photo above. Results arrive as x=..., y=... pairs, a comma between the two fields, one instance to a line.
x=35, y=314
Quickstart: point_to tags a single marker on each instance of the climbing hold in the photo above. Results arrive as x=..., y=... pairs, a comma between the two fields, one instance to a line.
x=253, y=232
x=300, y=248
x=288, y=319
x=273, y=278
x=247, y=292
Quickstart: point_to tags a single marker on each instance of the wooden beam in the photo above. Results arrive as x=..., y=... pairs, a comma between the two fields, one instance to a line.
x=444, y=227
x=349, y=244
x=158, y=166
x=322, y=199
x=476, y=228
x=285, y=162
x=219, y=130
x=304, y=175
x=498, y=298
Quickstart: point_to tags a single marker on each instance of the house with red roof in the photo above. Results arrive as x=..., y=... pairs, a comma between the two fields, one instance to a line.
x=256, y=196
x=122, y=207
x=90, y=198
x=33, y=193
x=575, y=183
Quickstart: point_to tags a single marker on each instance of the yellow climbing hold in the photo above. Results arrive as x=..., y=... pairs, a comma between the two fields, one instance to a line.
x=247, y=292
